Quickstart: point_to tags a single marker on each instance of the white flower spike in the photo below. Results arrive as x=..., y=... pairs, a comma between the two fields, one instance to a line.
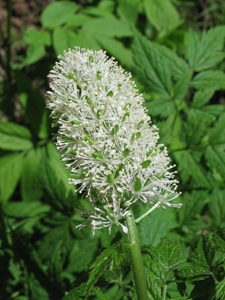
x=106, y=139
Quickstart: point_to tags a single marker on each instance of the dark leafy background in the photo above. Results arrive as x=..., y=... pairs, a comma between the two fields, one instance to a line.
x=175, y=51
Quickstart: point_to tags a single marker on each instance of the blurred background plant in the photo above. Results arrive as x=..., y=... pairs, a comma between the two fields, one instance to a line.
x=175, y=51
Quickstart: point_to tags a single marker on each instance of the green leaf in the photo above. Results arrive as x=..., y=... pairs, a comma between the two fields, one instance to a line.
x=154, y=289
x=25, y=209
x=30, y=184
x=100, y=265
x=63, y=39
x=151, y=67
x=82, y=254
x=108, y=26
x=77, y=20
x=217, y=133
x=162, y=14
x=37, y=37
x=128, y=9
x=28, y=214
x=182, y=86
x=219, y=239
x=192, y=205
x=190, y=168
x=10, y=172
x=177, y=65
x=14, y=137
x=202, y=97
x=116, y=49
x=86, y=40
x=196, y=127
x=217, y=208
x=207, y=52
x=216, y=159
x=35, y=107
x=167, y=255
x=37, y=40
x=202, y=262
x=213, y=79
x=77, y=293
x=57, y=13
x=220, y=290
x=54, y=179
x=161, y=106
x=161, y=262
x=157, y=225
x=55, y=265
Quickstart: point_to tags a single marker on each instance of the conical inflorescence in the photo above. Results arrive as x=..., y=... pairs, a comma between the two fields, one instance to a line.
x=106, y=139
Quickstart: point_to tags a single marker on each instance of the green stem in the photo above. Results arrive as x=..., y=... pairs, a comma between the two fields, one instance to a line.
x=136, y=259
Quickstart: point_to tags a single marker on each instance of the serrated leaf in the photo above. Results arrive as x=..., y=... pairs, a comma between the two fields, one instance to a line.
x=204, y=254
x=167, y=253
x=217, y=133
x=195, y=273
x=202, y=262
x=30, y=184
x=212, y=79
x=190, y=168
x=55, y=265
x=151, y=66
x=54, y=179
x=162, y=261
x=202, y=97
x=57, y=13
x=207, y=52
x=154, y=289
x=219, y=239
x=192, y=204
x=177, y=65
x=216, y=159
x=220, y=290
x=14, y=137
x=161, y=106
x=182, y=86
x=100, y=265
x=217, y=208
x=196, y=127
x=10, y=172
x=162, y=14
x=63, y=39
x=77, y=293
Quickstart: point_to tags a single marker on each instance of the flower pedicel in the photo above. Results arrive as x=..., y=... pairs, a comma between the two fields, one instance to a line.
x=106, y=139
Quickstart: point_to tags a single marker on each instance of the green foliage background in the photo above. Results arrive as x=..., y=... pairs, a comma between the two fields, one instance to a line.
x=178, y=65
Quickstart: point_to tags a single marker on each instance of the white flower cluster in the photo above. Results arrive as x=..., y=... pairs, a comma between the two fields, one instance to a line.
x=106, y=139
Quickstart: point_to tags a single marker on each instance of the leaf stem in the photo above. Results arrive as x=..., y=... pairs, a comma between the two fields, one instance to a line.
x=148, y=212
x=136, y=259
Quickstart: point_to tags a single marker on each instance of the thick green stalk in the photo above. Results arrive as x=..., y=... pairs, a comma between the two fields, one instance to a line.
x=136, y=259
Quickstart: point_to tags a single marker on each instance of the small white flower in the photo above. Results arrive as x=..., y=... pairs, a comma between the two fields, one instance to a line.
x=106, y=139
